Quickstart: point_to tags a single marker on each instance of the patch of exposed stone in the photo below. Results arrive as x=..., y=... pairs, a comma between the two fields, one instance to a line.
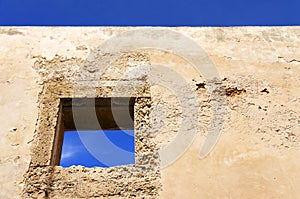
x=141, y=180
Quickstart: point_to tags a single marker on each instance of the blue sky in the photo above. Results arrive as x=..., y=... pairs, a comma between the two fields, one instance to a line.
x=150, y=12
x=101, y=148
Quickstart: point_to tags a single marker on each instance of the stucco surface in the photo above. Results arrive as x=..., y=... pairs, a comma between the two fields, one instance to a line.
x=257, y=154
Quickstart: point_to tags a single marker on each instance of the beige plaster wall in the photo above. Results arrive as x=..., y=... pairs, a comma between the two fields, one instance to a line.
x=258, y=152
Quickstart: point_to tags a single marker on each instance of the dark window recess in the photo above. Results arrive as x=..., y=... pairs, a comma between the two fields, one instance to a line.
x=94, y=132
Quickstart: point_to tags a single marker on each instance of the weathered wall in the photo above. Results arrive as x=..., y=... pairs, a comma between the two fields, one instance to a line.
x=257, y=154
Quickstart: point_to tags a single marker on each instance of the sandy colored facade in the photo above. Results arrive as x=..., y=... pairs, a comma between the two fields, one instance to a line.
x=257, y=154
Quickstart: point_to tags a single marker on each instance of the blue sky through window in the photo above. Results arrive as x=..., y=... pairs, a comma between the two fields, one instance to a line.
x=92, y=148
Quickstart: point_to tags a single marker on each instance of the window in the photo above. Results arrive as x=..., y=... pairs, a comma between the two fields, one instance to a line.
x=95, y=132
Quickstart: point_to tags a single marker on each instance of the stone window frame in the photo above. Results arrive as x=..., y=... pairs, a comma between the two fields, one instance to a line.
x=45, y=180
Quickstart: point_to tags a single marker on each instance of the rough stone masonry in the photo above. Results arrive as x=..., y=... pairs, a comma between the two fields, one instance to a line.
x=257, y=155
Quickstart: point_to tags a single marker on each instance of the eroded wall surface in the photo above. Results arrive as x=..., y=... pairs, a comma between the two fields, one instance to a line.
x=257, y=154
